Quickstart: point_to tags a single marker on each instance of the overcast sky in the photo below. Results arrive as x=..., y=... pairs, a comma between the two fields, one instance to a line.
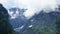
x=34, y=6
x=10, y=3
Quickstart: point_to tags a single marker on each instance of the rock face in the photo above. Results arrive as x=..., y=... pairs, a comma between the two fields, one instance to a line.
x=5, y=26
x=43, y=23
x=19, y=19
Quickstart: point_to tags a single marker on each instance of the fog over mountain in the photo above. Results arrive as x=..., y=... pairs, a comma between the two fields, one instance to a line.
x=33, y=6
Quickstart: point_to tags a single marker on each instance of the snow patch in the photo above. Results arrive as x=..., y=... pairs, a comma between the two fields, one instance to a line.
x=30, y=26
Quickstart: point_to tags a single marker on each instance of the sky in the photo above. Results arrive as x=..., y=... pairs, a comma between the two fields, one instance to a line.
x=33, y=6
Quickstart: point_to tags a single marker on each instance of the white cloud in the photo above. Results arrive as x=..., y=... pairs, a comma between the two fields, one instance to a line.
x=34, y=6
x=5, y=3
x=13, y=16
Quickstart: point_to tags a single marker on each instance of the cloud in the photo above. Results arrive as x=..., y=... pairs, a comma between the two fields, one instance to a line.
x=13, y=15
x=2, y=1
x=9, y=3
x=33, y=6
x=5, y=3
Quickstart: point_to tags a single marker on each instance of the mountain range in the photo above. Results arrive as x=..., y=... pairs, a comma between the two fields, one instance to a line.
x=42, y=23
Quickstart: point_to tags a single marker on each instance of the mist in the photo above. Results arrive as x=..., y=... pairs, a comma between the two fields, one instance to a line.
x=33, y=6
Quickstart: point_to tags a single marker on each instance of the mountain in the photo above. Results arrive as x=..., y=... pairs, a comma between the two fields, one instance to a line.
x=43, y=23
x=5, y=26
x=19, y=19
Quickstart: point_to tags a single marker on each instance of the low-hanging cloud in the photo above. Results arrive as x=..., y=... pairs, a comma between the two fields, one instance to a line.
x=33, y=6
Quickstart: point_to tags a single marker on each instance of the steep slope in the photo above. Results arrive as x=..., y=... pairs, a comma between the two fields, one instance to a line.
x=43, y=23
x=19, y=19
x=5, y=26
